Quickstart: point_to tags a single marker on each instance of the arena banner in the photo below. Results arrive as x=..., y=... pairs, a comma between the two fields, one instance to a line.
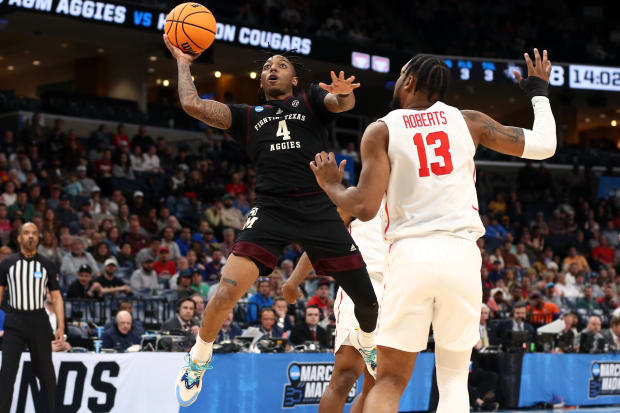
x=292, y=382
x=119, y=383
x=576, y=379
x=116, y=383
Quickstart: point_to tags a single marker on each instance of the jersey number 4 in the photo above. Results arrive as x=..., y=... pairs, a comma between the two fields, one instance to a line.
x=283, y=131
x=442, y=150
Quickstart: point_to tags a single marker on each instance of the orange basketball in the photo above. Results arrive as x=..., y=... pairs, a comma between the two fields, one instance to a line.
x=191, y=27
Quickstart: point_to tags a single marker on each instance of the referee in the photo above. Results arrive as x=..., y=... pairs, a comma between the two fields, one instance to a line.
x=27, y=275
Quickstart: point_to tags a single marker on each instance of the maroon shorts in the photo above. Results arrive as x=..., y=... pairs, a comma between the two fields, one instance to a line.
x=311, y=221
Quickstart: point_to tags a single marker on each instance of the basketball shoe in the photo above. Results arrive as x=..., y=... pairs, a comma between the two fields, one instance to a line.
x=189, y=380
x=369, y=354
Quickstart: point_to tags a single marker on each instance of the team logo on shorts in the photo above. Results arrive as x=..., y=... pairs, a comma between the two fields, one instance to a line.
x=259, y=108
x=307, y=383
x=605, y=379
x=295, y=103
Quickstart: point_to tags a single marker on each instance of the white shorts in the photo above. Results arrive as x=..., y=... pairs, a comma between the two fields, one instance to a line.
x=345, y=315
x=431, y=280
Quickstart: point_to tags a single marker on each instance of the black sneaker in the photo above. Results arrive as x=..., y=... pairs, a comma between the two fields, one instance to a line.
x=490, y=406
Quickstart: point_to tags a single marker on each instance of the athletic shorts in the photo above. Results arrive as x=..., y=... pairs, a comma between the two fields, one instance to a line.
x=312, y=221
x=345, y=315
x=431, y=280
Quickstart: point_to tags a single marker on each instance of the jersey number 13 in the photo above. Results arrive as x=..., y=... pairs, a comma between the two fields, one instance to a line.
x=443, y=151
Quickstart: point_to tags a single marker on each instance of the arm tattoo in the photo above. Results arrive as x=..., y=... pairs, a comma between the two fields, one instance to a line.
x=229, y=281
x=210, y=112
x=494, y=131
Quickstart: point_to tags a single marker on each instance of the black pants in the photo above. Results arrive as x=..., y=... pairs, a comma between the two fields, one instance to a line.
x=31, y=328
x=482, y=383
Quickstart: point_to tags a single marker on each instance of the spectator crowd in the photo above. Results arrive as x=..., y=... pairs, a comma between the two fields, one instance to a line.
x=128, y=218
x=134, y=217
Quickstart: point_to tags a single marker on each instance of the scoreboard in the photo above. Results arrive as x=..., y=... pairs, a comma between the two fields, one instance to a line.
x=571, y=76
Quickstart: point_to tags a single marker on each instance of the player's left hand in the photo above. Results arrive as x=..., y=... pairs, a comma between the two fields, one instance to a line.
x=326, y=170
x=340, y=85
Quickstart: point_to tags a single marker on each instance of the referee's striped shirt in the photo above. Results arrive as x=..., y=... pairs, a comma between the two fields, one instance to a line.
x=27, y=280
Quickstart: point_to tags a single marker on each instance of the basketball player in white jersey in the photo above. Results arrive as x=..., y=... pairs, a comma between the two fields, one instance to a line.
x=421, y=158
x=348, y=363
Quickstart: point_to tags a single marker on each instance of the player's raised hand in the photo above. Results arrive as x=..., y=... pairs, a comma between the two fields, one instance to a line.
x=177, y=53
x=541, y=67
x=326, y=170
x=340, y=85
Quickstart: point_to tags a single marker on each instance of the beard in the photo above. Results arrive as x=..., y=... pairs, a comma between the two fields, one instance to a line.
x=273, y=92
x=395, y=103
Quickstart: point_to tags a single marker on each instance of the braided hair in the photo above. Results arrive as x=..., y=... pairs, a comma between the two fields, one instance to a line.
x=432, y=74
x=292, y=58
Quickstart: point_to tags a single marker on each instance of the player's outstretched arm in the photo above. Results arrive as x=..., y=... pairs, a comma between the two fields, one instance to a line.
x=361, y=201
x=211, y=112
x=538, y=143
x=340, y=97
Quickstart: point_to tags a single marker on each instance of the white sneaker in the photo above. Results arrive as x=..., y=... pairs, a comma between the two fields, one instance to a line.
x=189, y=380
x=369, y=354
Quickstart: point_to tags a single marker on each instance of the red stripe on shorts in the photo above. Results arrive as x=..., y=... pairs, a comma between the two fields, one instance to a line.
x=251, y=250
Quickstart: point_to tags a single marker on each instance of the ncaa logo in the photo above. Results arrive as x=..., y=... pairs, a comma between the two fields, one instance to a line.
x=259, y=108
x=596, y=369
x=295, y=103
x=294, y=372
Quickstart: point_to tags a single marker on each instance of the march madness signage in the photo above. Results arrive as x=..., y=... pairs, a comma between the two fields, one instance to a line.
x=102, y=383
x=307, y=383
x=605, y=379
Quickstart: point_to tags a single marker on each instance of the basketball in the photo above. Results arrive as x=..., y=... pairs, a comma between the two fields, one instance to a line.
x=191, y=27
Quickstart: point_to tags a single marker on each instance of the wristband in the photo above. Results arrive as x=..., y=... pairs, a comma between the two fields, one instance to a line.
x=534, y=86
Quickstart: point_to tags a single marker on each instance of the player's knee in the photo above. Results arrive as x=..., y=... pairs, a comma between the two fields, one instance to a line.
x=225, y=298
x=394, y=380
x=344, y=379
x=367, y=313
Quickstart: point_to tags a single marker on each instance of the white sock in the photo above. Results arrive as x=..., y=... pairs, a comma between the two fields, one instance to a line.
x=201, y=351
x=367, y=340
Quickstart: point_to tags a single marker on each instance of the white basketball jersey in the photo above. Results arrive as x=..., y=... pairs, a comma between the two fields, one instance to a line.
x=431, y=190
x=368, y=237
